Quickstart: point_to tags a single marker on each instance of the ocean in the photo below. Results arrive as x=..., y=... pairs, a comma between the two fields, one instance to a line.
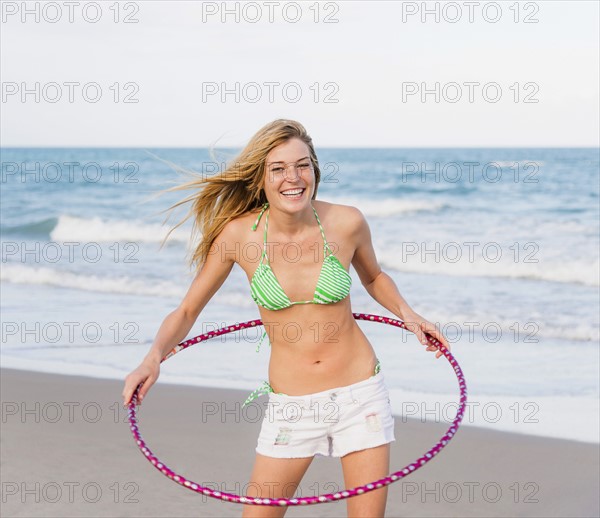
x=500, y=247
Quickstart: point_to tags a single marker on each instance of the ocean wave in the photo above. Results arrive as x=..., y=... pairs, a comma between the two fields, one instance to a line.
x=531, y=328
x=388, y=206
x=24, y=274
x=582, y=271
x=40, y=228
x=72, y=228
x=467, y=326
x=97, y=229
x=21, y=274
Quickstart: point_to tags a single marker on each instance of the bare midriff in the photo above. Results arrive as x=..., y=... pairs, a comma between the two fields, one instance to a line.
x=315, y=348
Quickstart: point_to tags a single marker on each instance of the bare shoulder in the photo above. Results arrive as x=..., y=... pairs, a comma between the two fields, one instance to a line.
x=347, y=218
x=236, y=233
x=234, y=228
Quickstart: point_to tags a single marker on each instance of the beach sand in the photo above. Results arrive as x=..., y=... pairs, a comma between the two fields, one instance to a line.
x=66, y=450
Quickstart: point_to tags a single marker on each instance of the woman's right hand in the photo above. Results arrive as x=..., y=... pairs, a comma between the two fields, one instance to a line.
x=147, y=373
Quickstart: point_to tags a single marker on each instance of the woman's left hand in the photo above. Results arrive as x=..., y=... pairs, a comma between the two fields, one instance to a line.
x=422, y=327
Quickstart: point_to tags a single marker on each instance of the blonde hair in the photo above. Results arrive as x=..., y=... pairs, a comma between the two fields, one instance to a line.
x=238, y=189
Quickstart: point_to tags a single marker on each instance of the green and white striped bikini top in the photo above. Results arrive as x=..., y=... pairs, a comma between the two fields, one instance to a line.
x=333, y=285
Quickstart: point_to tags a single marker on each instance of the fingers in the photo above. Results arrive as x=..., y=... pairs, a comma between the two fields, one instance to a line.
x=128, y=393
x=418, y=332
x=421, y=334
x=146, y=387
x=440, y=337
x=425, y=332
x=433, y=332
x=130, y=386
x=433, y=348
x=425, y=340
x=143, y=378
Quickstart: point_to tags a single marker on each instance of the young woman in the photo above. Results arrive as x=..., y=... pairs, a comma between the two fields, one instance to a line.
x=327, y=394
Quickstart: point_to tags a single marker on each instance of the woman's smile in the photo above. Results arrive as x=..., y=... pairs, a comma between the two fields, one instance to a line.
x=295, y=193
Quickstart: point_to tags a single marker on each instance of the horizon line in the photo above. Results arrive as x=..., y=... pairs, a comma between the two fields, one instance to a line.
x=316, y=147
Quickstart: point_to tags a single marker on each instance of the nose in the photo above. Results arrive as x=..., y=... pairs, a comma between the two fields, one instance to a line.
x=292, y=177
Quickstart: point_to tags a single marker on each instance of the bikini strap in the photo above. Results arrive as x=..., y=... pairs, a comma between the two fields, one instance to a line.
x=325, y=243
x=265, y=388
x=264, y=207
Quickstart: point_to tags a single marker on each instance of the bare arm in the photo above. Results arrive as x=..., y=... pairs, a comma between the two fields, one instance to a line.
x=207, y=282
x=178, y=323
x=383, y=288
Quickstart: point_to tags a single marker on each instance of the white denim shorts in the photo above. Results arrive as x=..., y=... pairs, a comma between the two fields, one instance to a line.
x=331, y=423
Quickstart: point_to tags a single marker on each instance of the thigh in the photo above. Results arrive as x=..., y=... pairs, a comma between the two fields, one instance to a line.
x=274, y=478
x=360, y=468
x=364, y=422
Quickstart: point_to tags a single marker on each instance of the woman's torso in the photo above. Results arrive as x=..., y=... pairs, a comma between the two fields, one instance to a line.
x=314, y=347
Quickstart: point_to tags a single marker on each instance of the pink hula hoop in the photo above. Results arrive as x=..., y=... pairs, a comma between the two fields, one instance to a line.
x=330, y=497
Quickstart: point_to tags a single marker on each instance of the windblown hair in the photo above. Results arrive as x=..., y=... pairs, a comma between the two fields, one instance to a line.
x=224, y=196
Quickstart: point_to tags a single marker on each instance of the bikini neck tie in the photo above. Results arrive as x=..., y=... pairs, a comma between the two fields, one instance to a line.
x=264, y=207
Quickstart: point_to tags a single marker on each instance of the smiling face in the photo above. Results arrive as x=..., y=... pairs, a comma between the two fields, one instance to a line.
x=289, y=178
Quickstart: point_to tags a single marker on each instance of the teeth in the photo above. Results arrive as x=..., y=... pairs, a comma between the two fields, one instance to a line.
x=292, y=191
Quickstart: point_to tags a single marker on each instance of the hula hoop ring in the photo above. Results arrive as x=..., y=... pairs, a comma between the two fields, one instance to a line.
x=329, y=497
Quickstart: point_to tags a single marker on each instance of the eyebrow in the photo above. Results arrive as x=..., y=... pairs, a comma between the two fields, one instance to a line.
x=280, y=162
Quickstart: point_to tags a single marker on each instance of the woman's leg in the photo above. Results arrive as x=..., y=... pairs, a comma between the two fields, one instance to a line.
x=362, y=467
x=274, y=478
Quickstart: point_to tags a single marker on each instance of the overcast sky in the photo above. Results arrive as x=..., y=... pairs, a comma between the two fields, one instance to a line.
x=380, y=61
